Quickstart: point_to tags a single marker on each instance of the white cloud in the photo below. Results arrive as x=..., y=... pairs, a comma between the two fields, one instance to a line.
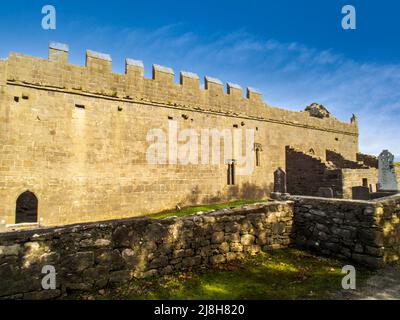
x=291, y=75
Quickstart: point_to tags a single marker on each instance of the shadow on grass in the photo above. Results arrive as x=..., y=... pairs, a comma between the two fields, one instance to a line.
x=283, y=274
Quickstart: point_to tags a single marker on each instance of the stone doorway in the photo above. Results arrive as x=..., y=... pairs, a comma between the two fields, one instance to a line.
x=26, y=208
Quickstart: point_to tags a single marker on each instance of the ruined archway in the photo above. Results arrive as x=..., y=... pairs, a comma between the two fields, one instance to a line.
x=26, y=208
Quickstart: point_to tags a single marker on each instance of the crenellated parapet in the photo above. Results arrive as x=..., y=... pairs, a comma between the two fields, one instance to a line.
x=97, y=78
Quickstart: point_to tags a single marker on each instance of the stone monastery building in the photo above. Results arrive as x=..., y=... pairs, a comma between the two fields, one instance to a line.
x=74, y=142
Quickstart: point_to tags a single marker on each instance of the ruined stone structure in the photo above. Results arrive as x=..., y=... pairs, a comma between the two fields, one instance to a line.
x=367, y=232
x=96, y=255
x=310, y=175
x=74, y=139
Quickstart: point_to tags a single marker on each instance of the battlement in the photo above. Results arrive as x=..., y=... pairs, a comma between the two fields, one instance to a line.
x=97, y=78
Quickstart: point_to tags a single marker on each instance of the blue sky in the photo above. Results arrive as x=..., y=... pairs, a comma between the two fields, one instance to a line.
x=295, y=52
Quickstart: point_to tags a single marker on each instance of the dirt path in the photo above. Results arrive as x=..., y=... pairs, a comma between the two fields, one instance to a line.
x=384, y=285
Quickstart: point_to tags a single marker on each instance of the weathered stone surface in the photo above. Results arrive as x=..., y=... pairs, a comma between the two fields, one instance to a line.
x=117, y=178
x=247, y=239
x=110, y=258
x=92, y=256
x=121, y=237
x=79, y=261
x=217, y=259
x=318, y=111
x=120, y=276
x=218, y=237
x=12, y=250
x=364, y=231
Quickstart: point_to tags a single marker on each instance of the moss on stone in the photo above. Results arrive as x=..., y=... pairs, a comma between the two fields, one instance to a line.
x=186, y=211
x=283, y=274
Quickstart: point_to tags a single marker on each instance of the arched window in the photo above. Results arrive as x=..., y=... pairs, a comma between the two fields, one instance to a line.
x=26, y=209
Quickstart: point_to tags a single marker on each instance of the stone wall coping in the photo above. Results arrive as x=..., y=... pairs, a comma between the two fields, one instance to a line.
x=59, y=46
x=234, y=85
x=98, y=55
x=254, y=90
x=135, y=63
x=332, y=200
x=190, y=75
x=164, y=69
x=242, y=210
x=213, y=80
x=387, y=199
x=335, y=200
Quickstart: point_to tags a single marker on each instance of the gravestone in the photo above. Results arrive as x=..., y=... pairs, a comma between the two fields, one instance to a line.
x=360, y=193
x=387, y=174
x=325, y=192
x=279, y=181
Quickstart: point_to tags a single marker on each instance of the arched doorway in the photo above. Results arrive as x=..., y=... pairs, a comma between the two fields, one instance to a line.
x=26, y=208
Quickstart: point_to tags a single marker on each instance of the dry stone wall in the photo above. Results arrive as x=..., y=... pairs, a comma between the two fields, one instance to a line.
x=366, y=232
x=95, y=255
x=92, y=256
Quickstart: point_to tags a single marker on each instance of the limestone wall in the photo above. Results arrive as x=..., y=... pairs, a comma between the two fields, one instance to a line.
x=369, y=160
x=354, y=178
x=306, y=174
x=77, y=138
x=92, y=256
x=367, y=232
x=97, y=77
x=341, y=162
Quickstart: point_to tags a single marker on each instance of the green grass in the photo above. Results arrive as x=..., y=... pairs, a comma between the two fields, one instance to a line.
x=202, y=208
x=397, y=163
x=284, y=274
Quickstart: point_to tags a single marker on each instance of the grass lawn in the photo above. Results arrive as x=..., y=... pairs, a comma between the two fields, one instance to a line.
x=282, y=274
x=202, y=208
x=397, y=163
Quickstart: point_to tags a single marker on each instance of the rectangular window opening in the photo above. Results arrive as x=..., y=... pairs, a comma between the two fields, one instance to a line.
x=231, y=173
x=257, y=157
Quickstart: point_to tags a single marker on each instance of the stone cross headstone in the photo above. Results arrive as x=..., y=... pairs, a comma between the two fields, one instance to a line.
x=361, y=193
x=279, y=181
x=387, y=174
